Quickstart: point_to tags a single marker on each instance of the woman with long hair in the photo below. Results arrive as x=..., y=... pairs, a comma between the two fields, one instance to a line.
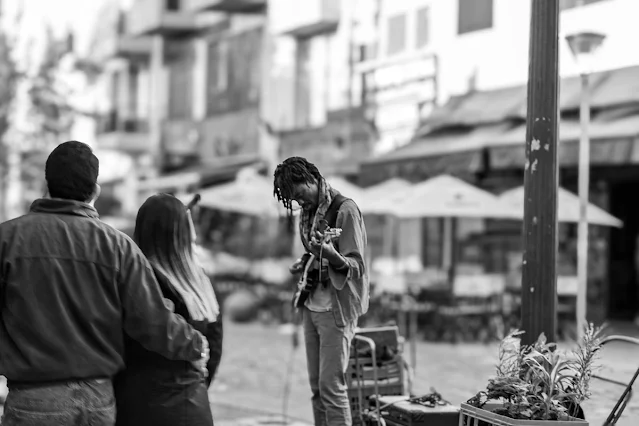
x=152, y=389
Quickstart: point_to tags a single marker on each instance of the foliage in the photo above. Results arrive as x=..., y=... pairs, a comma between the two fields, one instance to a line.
x=538, y=382
x=9, y=78
x=52, y=113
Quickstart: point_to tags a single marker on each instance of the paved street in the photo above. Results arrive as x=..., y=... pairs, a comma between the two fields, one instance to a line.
x=250, y=386
x=251, y=380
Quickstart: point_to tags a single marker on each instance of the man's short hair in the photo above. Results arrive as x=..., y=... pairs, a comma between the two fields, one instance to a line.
x=72, y=171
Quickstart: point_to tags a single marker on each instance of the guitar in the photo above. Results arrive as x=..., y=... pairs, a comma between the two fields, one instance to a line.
x=304, y=288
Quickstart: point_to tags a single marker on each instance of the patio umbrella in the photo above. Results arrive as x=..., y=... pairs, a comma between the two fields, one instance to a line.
x=443, y=196
x=568, y=205
x=250, y=193
x=446, y=197
x=374, y=193
x=346, y=188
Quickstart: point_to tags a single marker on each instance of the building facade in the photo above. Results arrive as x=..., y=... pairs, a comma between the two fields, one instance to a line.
x=478, y=131
x=182, y=85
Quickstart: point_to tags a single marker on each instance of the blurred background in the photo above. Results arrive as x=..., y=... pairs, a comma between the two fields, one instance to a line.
x=207, y=96
x=186, y=96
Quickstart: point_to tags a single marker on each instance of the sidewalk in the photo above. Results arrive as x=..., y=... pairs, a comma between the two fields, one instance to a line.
x=250, y=388
x=256, y=360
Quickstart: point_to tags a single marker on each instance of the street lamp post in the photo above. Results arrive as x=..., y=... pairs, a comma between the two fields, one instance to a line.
x=583, y=45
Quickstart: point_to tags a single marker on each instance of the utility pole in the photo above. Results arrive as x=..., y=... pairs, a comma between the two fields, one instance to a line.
x=539, y=273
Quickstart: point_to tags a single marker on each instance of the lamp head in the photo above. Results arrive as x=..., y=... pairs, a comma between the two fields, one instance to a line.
x=583, y=46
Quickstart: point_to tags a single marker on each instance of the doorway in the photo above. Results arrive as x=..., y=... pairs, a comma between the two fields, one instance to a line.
x=623, y=293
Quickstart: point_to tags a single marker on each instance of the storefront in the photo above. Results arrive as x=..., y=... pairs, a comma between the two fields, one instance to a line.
x=480, y=137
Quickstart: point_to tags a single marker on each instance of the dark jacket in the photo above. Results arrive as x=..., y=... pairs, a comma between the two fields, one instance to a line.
x=155, y=390
x=69, y=286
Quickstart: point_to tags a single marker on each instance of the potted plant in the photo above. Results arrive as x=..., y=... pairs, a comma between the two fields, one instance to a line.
x=536, y=384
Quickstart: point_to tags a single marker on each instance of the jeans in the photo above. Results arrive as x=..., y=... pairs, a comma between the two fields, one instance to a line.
x=327, y=353
x=77, y=403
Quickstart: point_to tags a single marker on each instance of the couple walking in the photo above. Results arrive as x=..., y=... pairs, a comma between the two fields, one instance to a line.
x=96, y=329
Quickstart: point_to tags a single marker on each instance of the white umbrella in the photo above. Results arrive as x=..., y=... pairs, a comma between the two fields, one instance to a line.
x=374, y=193
x=568, y=205
x=446, y=197
x=250, y=194
x=443, y=196
x=346, y=188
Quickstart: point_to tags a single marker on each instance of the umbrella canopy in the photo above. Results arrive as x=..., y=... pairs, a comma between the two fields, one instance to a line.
x=346, y=188
x=568, y=205
x=250, y=193
x=443, y=196
x=376, y=192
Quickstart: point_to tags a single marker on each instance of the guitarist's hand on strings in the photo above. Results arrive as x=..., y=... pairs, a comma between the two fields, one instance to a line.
x=320, y=243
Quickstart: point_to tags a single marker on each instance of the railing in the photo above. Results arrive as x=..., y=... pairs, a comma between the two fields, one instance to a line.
x=111, y=123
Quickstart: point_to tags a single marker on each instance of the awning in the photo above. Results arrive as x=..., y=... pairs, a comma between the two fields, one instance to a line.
x=608, y=89
x=455, y=152
x=614, y=141
x=445, y=142
x=478, y=107
x=206, y=174
x=419, y=169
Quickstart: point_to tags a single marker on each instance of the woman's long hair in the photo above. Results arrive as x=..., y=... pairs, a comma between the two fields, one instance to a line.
x=164, y=232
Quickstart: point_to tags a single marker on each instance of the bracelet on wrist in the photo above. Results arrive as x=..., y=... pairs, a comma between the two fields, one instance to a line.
x=343, y=266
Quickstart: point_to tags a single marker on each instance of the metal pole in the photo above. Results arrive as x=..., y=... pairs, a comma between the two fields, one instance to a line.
x=584, y=184
x=539, y=276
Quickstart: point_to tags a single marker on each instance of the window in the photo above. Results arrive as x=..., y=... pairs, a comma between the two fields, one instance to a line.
x=422, y=24
x=179, y=56
x=233, y=72
x=475, y=15
x=172, y=5
x=367, y=52
x=396, y=34
x=218, y=66
x=569, y=4
x=302, y=83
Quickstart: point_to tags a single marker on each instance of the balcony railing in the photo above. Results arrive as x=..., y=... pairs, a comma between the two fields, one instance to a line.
x=305, y=18
x=148, y=17
x=181, y=137
x=112, y=122
x=227, y=6
x=125, y=134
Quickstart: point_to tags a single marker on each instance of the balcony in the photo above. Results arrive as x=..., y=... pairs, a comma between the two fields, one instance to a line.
x=127, y=135
x=180, y=137
x=305, y=18
x=227, y=6
x=126, y=46
x=153, y=17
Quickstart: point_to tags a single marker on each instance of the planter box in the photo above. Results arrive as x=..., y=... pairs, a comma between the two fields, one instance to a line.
x=471, y=416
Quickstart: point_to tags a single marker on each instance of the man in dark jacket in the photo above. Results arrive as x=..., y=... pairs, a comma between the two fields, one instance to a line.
x=70, y=287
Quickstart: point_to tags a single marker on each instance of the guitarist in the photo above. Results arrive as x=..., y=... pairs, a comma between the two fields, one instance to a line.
x=332, y=231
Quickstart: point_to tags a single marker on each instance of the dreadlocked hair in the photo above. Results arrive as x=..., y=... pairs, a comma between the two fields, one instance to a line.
x=293, y=171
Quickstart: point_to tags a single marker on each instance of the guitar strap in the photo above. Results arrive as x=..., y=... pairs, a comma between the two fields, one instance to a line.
x=331, y=214
x=331, y=219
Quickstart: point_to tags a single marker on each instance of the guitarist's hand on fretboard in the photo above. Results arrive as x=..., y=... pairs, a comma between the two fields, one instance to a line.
x=320, y=244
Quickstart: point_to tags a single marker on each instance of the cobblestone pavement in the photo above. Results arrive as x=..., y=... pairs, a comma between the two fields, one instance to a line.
x=250, y=387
